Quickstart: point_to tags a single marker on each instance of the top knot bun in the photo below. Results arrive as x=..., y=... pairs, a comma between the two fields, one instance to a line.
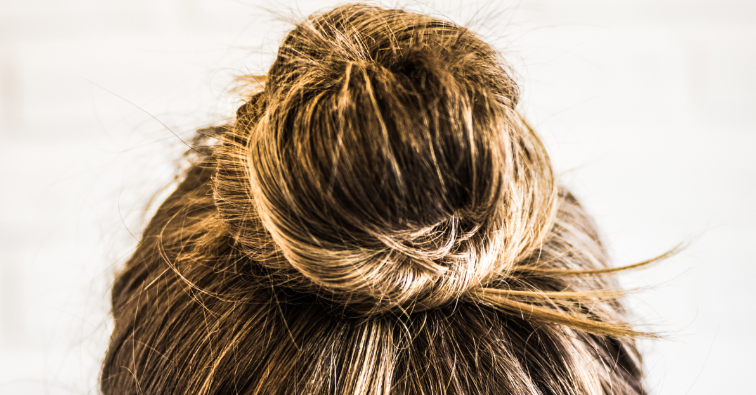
x=383, y=165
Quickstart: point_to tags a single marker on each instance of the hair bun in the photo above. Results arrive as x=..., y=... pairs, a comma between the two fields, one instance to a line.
x=383, y=165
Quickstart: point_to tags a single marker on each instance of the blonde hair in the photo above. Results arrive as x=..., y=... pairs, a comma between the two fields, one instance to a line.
x=378, y=220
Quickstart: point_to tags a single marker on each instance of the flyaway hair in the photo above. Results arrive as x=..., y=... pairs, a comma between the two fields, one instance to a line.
x=378, y=219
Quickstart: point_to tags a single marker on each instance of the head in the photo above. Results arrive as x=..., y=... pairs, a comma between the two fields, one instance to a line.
x=378, y=219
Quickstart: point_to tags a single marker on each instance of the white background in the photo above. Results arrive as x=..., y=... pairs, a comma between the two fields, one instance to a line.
x=647, y=108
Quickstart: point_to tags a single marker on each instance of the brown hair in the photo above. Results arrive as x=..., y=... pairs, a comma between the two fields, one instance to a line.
x=378, y=220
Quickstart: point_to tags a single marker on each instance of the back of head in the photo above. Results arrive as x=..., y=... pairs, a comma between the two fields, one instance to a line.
x=378, y=220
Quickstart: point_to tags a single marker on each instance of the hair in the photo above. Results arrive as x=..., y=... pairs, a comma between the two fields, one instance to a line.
x=378, y=219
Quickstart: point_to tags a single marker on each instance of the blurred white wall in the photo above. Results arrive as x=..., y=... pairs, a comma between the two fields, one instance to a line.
x=646, y=106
